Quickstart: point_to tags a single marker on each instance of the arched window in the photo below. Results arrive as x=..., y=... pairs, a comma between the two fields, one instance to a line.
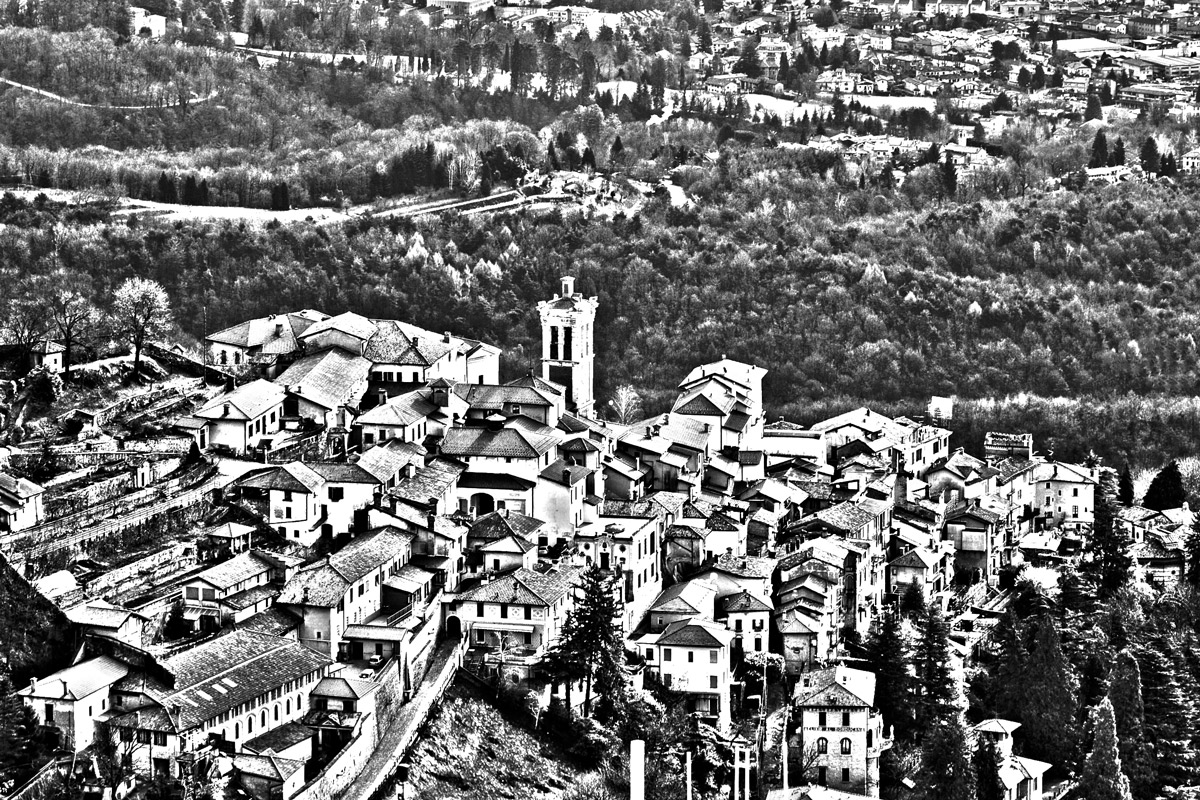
x=249, y=725
x=236, y=731
x=822, y=746
x=287, y=706
x=264, y=718
x=277, y=715
x=846, y=747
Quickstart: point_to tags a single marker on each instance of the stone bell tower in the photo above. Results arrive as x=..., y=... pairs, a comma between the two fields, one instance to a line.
x=567, y=345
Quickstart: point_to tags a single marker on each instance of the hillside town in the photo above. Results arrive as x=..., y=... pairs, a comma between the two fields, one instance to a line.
x=336, y=517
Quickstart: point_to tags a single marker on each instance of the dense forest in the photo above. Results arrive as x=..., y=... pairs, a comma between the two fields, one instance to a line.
x=841, y=291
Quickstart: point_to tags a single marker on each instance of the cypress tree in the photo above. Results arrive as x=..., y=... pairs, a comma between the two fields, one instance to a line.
x=1102, y=777
x=1125, y=482
x=592, y=638
x=1125, y=694
x=1099, y=151
x=1150, y=164
x=988, y=784
x=1048, y=695
x=1108, y=547
x=937, y=685
x=890, y=661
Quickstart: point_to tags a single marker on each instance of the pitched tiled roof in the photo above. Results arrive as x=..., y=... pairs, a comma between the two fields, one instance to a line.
x=326, y=378
x=573, y=472
x=78, y=681
x=247, y=401
x=502, y=443
x=353, y=324
x=272, y=767
x=385, y=460
x=273, y=334
x=344, y=688
x=278, y=739
x=432, y=480
x=18, y=487
x=294, y=477
x=499, y=524
x=534, y=382
x=747, y=566
x=324, y=583
x=837, y=686
x=845, y=516
x=744, y=601
x=695, y=633
x=235, y=570
x=690, y=597
x=495, y=398
x=525, y=587
x=405, y=345
x=225, y=672
x=404, y=409
x=275, y=621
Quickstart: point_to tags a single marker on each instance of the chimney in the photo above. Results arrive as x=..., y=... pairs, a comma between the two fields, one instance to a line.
x=279, y=329
x=410, y=470
x=567, y=477
x=33, y=687
x=383, y=398
x=431, y=517
x=416, y=341
x=225, y=410
x=568, y=286
x=649, y=432
x=446, y=337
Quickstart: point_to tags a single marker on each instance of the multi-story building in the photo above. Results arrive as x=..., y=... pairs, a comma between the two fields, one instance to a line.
x=840, y=731
x=568, y=352
x=694, y=657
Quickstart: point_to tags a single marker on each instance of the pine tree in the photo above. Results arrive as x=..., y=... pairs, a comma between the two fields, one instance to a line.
x=1125, y=694
x=890, y=661
x=1125, y=482
x=947, y=770
x=1115, y=159
x=1038, y=81
x=949, y=177
x=1094, y=108
x=1102, y=777
x=936, y=682
x=784, y=75
x=912, y=602
x=592, y=637
x=988, y=783
x=748, y=62
x=1048, y=693
x=1166, y=490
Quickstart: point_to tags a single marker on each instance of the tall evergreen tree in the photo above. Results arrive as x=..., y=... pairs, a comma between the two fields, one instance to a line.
x=1166, y=490
x=947, y=771
x=1102, y=777
x=912, y=602
x=1116, y=159
x=949, y=177
x=1150, y=164
x=1192, y=553
x=1094, y=108
x=1049, y=693
x=1099, y=151
x=591, y=637
x=1125, y=481
x=890, y=661
x=938, y=692
x=988, y=783
x=1125, y=694
x=1108, y=547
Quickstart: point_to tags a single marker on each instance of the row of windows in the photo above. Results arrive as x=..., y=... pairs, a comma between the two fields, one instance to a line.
x=691, y=655
x=158, y=738
x=823, y=746
x=822, y=718
x=479, y=610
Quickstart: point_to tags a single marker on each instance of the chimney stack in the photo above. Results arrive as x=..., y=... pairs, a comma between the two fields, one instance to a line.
x=568, y=286
x=446, y=337
x=566, y=475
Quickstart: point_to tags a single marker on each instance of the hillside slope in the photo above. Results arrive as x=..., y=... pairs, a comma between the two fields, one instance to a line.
x=472, y=753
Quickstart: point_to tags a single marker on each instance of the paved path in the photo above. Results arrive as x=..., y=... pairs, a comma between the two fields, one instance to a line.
x=70, y=102
x=401, y=734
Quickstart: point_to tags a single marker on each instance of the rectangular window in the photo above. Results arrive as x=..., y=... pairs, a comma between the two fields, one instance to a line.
x=193, y=593
x=845, y=719
x=126, y=735
x=666, y=654
x=287, y=496
x=845, y=774
x=143, y=737
x=208, y=594
x=479, y=609
x=649, y=653
x=820, y=719
x=691, y=656
x=712, y=681
x=1076, y=492
x=712, y=656
x=528, y=612
x=160, y=739
x=504, y=611
x=336, y=493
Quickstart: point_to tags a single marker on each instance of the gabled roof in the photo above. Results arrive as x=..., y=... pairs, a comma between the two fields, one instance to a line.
x=326, y=378
x=694, y=597
x=271, y=767
x=695, y=633
x=399, y=411
x=274, y=334
x=837, y=686
x=564, y=473
x=248, y=401
x=525, y=587
x=324, y=583
x=344, y=688
x=534, y=382
x=744, y=602
x=502, y=523
x=494, y=398
x=348, y=322
x=385, y=460
x=406, y=345
x=294, y=477
x=432, y=480
x=740, y=372
x=491, y=443
x=19, y=488
x=237, y=569
x=1056, y=471
x=80, y=680
x=99, y=614
x=917, y=557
